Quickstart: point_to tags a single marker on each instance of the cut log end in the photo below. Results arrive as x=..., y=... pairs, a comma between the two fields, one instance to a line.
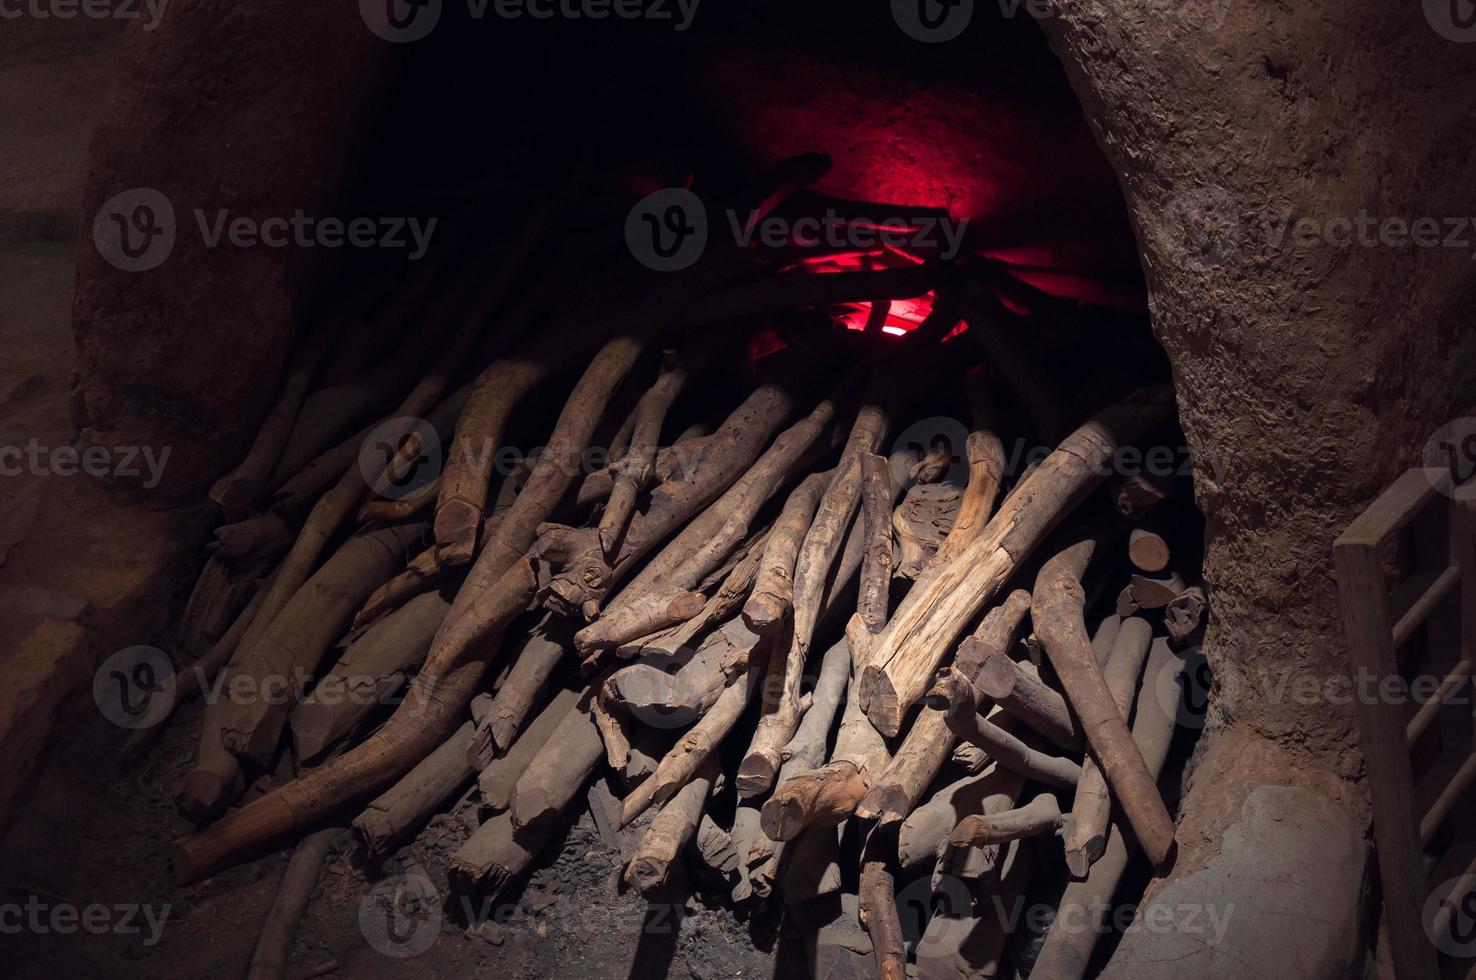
x=764, y=613
x=756, y=774
x=456, y=527
x=880, y=702
x=203, y=796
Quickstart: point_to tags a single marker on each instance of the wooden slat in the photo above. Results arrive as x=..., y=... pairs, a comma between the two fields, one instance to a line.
x=1439, y=791
x=1457, y=677
x=1426, y=590
x=1393, y=509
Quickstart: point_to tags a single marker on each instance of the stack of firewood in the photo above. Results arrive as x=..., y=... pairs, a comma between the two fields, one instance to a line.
x=745, y=598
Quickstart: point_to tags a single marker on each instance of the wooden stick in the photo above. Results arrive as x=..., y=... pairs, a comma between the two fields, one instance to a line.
x=878, y=910
x=701, y=740
x=910, y=649
x=501, y=775
x=220, y=591
x=773, y=588
x=876, y=563
x=1057, y=614
x=1019, y=691
x=653, y=696
x=985, y=455
x=1086, y=834
x=533, y=665
x=422, y=574
x=269, y=960
x=745, y=832
x=560, y=768
x=254, y=541
x=637, y=618
x=716, y=846
x=495, y=855
x=670, y=832
x=637, y=467
x=1155, y=593
x=725, y=602
x=923, y=836
x=1040, y=816
x=1185, y=613
x=914, y=766
x=376, y=664
x=407, y=804
x=964, y=721
x=1148, y=551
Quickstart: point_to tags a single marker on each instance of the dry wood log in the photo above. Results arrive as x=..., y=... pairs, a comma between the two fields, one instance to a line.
x=184, y=686
x=1139, y=494
x=923, y=836
x=401, y=509
x=773, y=588
x=702, y=739
x=878, y=909
x=652, y=696
x=532, y=666
x=269, y=960
x=967, y=934
x=375, y=665
x=405, y=806
x=1068, y=946
x=1086, y=833
x=1041, y=815
x=421, y=574
x=724, y=603
x=912, y=769
x=614, y=726
x=910, y=649
x=922, y=522
x=499, y=776
x=713, y=468
x=1057, y=614
x=639, y=617
x=239, y=489
x=970, y=758
x=494, y=856
x=716, y=847
x=745, y=832
x=964, y=721
x=1185, y=613
x=255, y=541
x=986, y=459
x=1149, y=552
x=806, y=750
x=877, y=557
x=811, y=866
x=670, y=832
x=220, y=592
x=560, y=768
x=1155, y=593
x=638, y=465
x=1018, y=690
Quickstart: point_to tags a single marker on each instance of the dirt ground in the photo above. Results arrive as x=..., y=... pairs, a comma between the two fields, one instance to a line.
x=92, y=834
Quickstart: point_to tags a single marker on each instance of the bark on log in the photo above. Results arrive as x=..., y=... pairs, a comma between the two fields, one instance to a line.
x=923, y=836
x=877, y=556
x=1091, y=810
x=494, y=856
x=1041, y=815
x=422, y=574
x=407, y=804
x=923, y=521
x=1057, y=614
x=638, y=464
x=269, y=960
x=531, y=669
x=560, y=768
x=375, y=665
x=878, y=908
x=670, y=832
x=964, y=721
x=914, y=643
x=637, y=618
x=501, y=775
x=773, y=588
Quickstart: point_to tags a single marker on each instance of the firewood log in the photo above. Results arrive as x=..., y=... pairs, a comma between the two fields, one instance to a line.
x=878, y=909
x=406, y=805
x=877, y=558
x=220, y=592
x=421, y=574
x=1086, y=834
x=614, y=726
x=721, y=607
x=501, y=775
x=1067, y=949
x=811, y=866
x=967, y=934
x=1041, y=815
x=1185, y=613
x=401, y=509
x=702, y=739
x=531, y=668
x=716, y=846
x=921, y=523
x=896, y=791
x=254, y=541
x=986, y=459
x=910, y=649
x=638, y=463
x=745, y=831
x=639, y=617
x=652, y=696
x=494, y=856
x=375, y=665
x=970, y=758
x=269, y=959
x=1019, y=691
x=1155, y=593
x=923, y=837
x=957, y=694
x=1148, y=551
x=1057, y=615
x=560, y=768
x=670, y=832
x=773, y=588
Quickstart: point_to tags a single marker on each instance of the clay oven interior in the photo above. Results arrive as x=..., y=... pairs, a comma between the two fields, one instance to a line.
x=1111, y=166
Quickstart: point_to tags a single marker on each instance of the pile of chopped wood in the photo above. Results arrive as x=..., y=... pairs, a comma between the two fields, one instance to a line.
x=748, y=599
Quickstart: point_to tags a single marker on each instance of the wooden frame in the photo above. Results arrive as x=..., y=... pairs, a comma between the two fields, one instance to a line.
x=1380, y=622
